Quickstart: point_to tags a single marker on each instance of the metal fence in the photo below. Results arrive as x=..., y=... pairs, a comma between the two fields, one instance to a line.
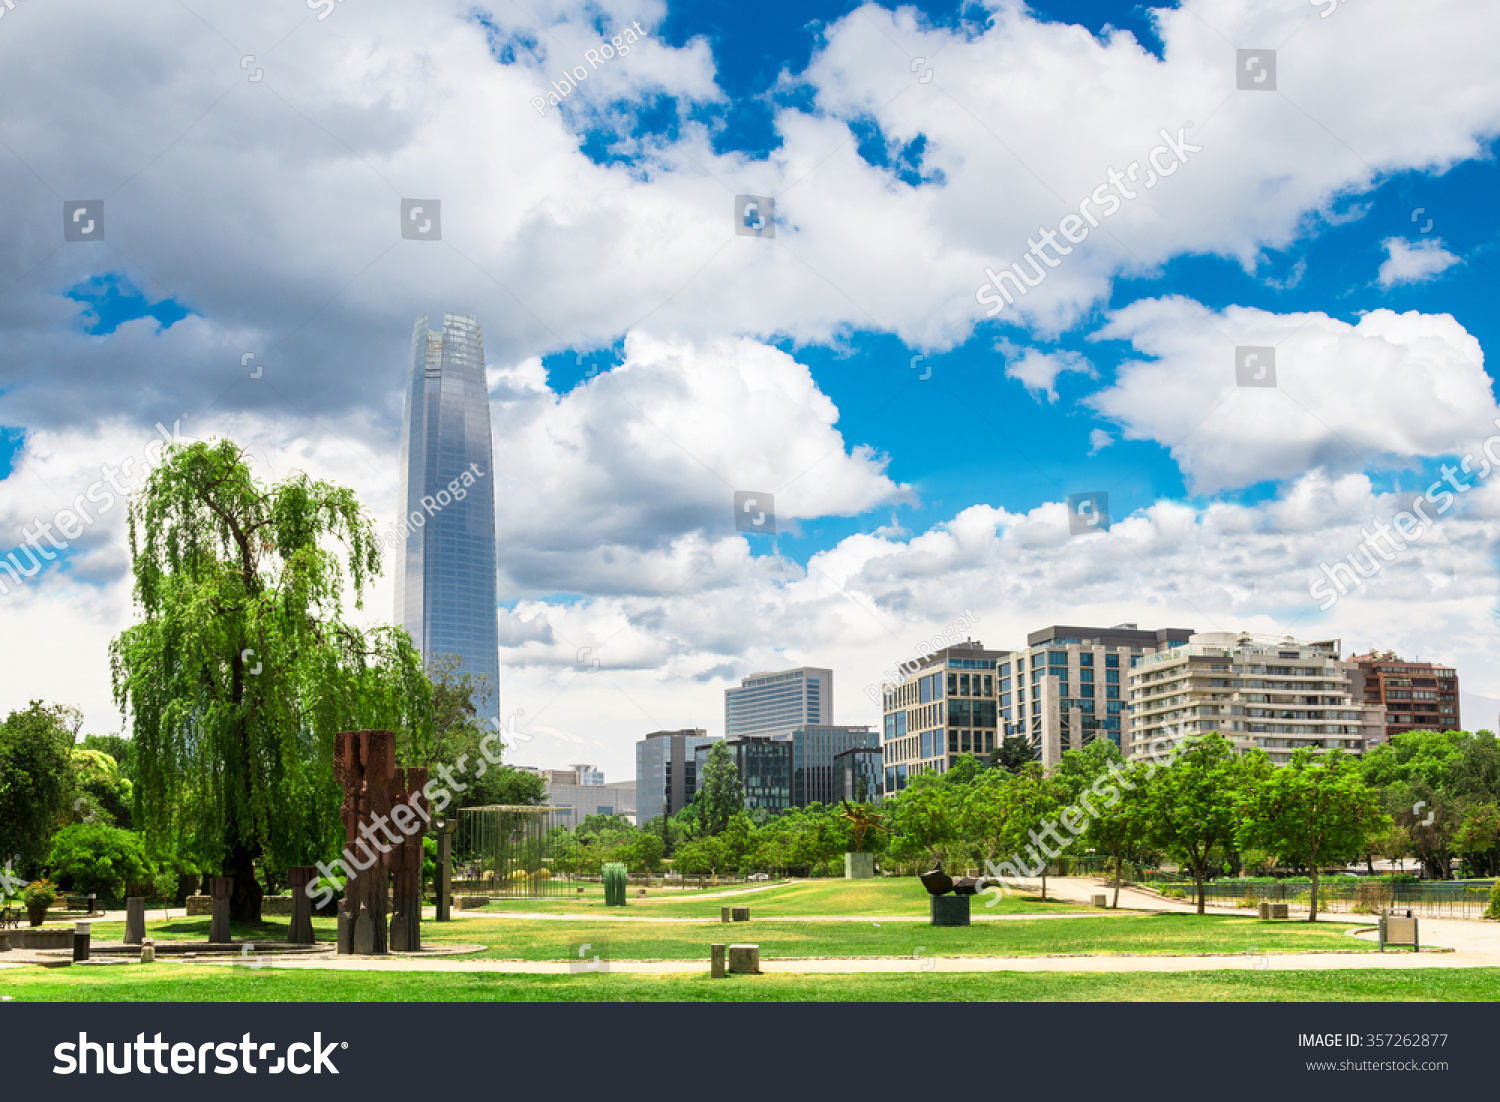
x=1365, y=895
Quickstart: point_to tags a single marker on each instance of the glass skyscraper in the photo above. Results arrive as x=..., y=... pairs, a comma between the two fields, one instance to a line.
x=445, y=568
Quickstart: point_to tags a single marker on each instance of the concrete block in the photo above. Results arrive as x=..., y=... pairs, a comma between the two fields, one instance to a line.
x=1100, y=899
x=724, y=915
x=1269, y=910
x=859, y=866
x=716, y=960
x=741, y=914
x=744, y=960
x=950, y=910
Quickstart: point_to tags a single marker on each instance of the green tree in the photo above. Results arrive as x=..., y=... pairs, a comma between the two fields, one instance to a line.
x=1121, y=820
x=99, y=790
x=720, y=795
x=1313, y=811
x=36, y=780
x=1034, y=800
x=1190, y=804
x=1012, y=754
x=243, y=668
x=923, y=819
x=98, y=858
x=1477, y=837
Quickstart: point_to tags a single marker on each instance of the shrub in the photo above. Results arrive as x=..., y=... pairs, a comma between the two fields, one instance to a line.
x=1173, y=893
x=1370, y=897
x=39, y=895
x=1493, y=910
x=99, y=859
x=1250, y=901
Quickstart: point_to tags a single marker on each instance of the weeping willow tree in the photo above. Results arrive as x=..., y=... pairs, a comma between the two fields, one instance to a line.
x=243, y=668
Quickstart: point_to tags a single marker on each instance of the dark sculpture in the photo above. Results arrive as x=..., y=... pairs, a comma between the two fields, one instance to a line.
x=220, y=888
x=406, y=860
x=381, y=804
x=938, y=882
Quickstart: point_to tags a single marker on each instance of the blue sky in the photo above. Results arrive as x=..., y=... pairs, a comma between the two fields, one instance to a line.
x=646, y=361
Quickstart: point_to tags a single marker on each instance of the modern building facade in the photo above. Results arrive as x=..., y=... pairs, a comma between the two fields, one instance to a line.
x=778, y=703
x=1259, y=691
x=859, y=775
x=944, y=707
x=445, y=565
x=814, y=749
x=666, y=773
x=1416, y=696
x=765, y=770
x=594, y=799
x=1067, y=687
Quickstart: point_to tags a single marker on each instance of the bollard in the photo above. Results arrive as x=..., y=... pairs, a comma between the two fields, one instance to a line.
x=148, y=951
x=716, y=961
x=81, y=941
x=135, y=919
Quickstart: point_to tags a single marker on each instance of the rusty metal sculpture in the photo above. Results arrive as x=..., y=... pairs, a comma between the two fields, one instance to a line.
x=364, y=763
x=863, y=820
x=220, y=888
x=410, y=815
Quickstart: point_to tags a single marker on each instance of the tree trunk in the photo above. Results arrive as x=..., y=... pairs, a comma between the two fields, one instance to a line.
x=1118, y=861
x=1198, y=884
x=1312, y=914
x=1044, y=883
x=244, y=905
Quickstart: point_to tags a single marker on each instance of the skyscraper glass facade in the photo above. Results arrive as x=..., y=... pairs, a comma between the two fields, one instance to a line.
x=445, y=568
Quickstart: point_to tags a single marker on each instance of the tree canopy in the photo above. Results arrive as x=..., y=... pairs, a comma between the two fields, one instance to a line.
x=243, y=666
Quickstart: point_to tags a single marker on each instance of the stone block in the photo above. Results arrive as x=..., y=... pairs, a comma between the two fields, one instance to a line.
x=859, y=866
x=724, y=915
x=1100, y=899
x=950, y=910
x=744, y=960
x=1269, y=910
x=716, y=960
x=148, y=951
x=741, y=914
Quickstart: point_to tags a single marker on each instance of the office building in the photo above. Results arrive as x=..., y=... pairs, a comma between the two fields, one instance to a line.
x=859, y=775
x=1259, y=691
x=617, y=798
x=574, y=774
x=666, y=775
x=1067, y=687
x=445, y=564
x=778, y=703
x=1416, y=696
x=944, y=706
x=814, y=749
x=765, y=770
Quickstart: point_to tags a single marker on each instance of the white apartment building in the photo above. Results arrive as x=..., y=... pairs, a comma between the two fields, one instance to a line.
x=1277, y=694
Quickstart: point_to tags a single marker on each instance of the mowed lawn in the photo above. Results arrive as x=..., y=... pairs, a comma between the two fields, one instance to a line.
x=1090, y=933
x=540, y=939
x=180, y=983
x=902, y=895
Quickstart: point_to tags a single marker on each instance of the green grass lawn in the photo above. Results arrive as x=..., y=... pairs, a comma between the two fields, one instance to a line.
x=174, y=983
x=529, y=939
x=888, y=896
x=539, y=939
